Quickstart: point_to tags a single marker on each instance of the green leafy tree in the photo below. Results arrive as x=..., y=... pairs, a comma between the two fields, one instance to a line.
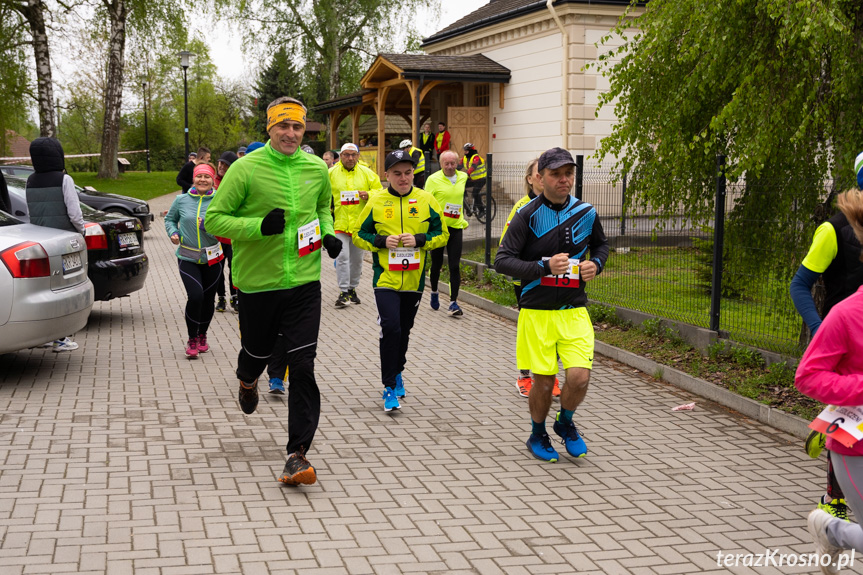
x=330, y=35
x=13, y=73
x=773, y=86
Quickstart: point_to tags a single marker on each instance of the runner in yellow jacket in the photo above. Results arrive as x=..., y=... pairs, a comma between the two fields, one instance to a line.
x=351, y=183
x=447, y=186
x=399, y=226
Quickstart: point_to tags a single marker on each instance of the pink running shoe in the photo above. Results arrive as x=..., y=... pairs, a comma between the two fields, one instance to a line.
x=192, y=348
x=202, y=343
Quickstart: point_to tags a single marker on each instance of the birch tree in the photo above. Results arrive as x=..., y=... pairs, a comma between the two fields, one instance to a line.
x=148, y=18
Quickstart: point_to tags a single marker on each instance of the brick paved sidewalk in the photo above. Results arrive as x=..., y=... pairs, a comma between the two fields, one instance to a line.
x=125, y=457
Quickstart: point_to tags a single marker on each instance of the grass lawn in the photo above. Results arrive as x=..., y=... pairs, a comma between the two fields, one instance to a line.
x=139, y=185
x=662, y=282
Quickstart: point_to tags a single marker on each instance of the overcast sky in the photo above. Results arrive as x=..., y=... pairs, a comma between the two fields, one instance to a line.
x=227, y=52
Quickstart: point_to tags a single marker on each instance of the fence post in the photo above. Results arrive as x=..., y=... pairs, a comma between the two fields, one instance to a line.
x=718, y=244
x=579, y=176
x=489, y=172
x=623, y=208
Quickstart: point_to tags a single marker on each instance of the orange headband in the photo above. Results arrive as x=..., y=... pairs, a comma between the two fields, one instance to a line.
x=289, y=111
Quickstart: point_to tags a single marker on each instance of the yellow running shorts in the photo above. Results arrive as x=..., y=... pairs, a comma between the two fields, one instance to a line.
x=544, y=334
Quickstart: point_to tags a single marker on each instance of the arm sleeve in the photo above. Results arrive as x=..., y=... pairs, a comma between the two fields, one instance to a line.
x=823, y=249
x=73, y=204
x=172, y=218
x=801, y=295
x=816, y=376
x=222, y=220
x=184, y=177
x=366, y=237
x=507, y=259
x=598, y=246
x=437, y=234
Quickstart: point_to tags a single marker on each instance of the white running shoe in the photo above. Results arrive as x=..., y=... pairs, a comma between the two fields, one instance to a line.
x=64, y=344
x=817, y=524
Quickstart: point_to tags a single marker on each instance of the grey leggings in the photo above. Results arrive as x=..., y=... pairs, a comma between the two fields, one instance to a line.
x=849, y=473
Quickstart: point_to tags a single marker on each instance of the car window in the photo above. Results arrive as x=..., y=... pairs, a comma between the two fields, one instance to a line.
x=7, y=220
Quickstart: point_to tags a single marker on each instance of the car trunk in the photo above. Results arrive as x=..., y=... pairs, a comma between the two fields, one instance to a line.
x=124, y=234
x=68, y=262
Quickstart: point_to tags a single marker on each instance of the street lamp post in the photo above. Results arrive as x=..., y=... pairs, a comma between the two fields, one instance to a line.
x=146, y=132
x=184, y=62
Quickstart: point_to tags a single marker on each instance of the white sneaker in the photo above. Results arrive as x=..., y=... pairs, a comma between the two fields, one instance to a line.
x=817, y=524
x=64, y=344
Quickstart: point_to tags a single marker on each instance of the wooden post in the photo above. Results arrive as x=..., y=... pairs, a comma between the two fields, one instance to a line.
x=382, y=120
x=355, y=124
x=333, y=136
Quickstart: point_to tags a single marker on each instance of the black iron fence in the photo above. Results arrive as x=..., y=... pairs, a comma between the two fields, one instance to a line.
x=727, y=269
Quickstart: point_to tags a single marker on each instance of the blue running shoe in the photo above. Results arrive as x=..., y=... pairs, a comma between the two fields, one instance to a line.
x=391, y=402
x=454, y=310
x=575, y=445
x=277, y=386
x=435, y=301
x=540, y=447
x=400, y=386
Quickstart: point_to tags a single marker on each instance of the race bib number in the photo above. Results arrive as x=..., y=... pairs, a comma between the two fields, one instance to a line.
x=843, y=423
x=452, y=211
x=567, y=280
x=214, y=254
x=309, y=238
x=350, y=198
x=404, y=259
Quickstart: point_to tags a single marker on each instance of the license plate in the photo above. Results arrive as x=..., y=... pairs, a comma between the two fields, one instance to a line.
x=71, y=262
x=128, y=240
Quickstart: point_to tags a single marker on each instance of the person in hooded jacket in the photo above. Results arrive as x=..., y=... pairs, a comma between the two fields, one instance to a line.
x=200, y=256
x=225, y=161
x=5, y=203
x=52, y=200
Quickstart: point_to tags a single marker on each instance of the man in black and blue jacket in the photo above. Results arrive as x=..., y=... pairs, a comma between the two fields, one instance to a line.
x=554, y=244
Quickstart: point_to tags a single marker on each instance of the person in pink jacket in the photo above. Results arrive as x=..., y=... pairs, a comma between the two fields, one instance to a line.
x=831, y=372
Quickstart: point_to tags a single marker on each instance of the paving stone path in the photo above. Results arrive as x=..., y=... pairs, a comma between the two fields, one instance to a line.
x=125, y=457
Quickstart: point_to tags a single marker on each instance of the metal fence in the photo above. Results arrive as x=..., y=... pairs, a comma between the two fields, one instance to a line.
x=728, y=271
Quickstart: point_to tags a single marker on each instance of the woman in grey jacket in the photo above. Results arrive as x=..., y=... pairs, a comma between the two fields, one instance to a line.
x=200, y=255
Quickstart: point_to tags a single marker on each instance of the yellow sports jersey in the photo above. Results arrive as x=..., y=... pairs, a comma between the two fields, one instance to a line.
x=823, y=250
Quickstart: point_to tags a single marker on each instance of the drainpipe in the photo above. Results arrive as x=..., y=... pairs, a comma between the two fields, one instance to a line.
x=565, y=64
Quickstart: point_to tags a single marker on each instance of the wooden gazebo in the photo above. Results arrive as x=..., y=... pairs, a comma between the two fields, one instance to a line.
x=415, y=86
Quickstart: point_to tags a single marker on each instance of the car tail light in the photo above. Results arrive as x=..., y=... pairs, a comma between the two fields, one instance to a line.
x=27, y=260
x=95, y=237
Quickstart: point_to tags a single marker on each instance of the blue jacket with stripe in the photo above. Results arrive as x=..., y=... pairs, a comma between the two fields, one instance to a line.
x=542, y=229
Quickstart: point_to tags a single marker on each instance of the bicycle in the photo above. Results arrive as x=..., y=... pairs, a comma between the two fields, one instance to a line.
x=489, y=210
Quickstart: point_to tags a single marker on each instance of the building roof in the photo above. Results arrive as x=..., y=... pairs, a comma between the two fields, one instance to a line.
x=474, y=68
x=477, y=65
x=346, y=101
x=17, y=145
x=500, y=11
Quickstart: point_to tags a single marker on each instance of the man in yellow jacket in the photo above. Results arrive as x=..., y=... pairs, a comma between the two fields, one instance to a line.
x=447, y=186
x=399, y=225
x=419, y=162
x=351, y=183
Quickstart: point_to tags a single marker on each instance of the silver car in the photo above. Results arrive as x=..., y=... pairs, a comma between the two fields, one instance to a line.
x=44, y=290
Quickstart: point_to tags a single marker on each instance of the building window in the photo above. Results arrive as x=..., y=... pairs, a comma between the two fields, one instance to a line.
x=480, y=95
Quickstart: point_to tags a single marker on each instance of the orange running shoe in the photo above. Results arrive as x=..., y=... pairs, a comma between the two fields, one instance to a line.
x=523, y=385
x=556, y=391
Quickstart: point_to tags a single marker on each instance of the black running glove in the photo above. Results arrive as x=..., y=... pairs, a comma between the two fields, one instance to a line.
x=273, y=223
x=333, y=246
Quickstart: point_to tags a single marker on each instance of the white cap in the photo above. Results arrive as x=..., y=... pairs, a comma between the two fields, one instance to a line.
x=351, y=147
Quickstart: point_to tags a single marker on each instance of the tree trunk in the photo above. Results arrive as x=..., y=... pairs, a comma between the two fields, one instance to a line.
x=335, y=74
x=113, y=90
x=34, y=12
